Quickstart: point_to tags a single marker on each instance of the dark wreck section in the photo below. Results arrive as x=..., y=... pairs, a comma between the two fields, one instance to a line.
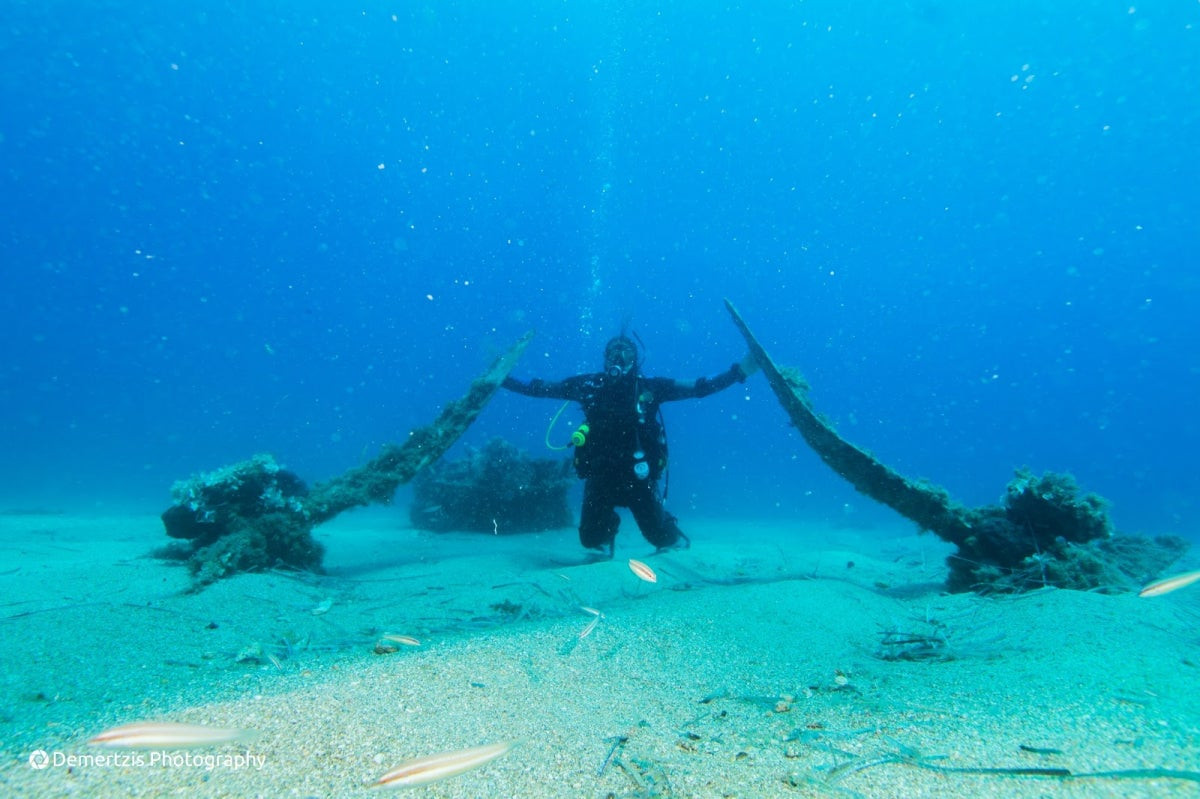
x=496, y=489
x=256, y=515
x=248, y=516
x=1044, y=532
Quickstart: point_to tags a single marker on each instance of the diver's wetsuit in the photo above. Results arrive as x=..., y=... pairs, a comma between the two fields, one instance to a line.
x=622, y=414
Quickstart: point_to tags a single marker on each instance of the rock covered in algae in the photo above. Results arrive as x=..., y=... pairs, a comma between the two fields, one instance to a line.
x=494, y=489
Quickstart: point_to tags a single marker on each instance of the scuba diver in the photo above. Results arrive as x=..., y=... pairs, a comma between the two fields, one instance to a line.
x=621, y=448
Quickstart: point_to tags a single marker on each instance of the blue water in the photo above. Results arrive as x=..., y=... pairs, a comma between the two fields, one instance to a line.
x=302, y=227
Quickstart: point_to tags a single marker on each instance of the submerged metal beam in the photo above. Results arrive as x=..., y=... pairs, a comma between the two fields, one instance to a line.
x=1045, y=534
x=927, y=505
x=256, y=515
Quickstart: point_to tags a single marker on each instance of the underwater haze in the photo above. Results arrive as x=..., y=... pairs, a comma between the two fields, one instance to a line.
x=301, y=228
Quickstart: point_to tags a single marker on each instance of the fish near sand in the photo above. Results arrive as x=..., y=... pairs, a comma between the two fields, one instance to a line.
x=431, y=768
x=165, y=735
x=591, y=625
x=1169, y=584
x=643, y=571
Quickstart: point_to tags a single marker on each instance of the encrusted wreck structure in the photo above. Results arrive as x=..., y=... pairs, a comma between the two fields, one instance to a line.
x=256, y=515
x=1044, y=533
x=494, y=489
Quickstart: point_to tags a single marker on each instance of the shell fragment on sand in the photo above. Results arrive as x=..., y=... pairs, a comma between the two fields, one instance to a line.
x=431, y=768
x=165, y=735
x=1169, y=584
x=643, y=571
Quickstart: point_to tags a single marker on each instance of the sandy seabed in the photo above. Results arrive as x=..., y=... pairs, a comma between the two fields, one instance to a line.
x=769, y=660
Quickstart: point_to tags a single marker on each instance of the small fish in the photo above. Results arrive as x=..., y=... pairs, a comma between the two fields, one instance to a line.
x=592, y=611
x=643, y=571
x=431, y=768
x=591, y=625
x=323, y=607
x=407, y=640
x=1040, y=750
x=1166, y=586
x=165, y=735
